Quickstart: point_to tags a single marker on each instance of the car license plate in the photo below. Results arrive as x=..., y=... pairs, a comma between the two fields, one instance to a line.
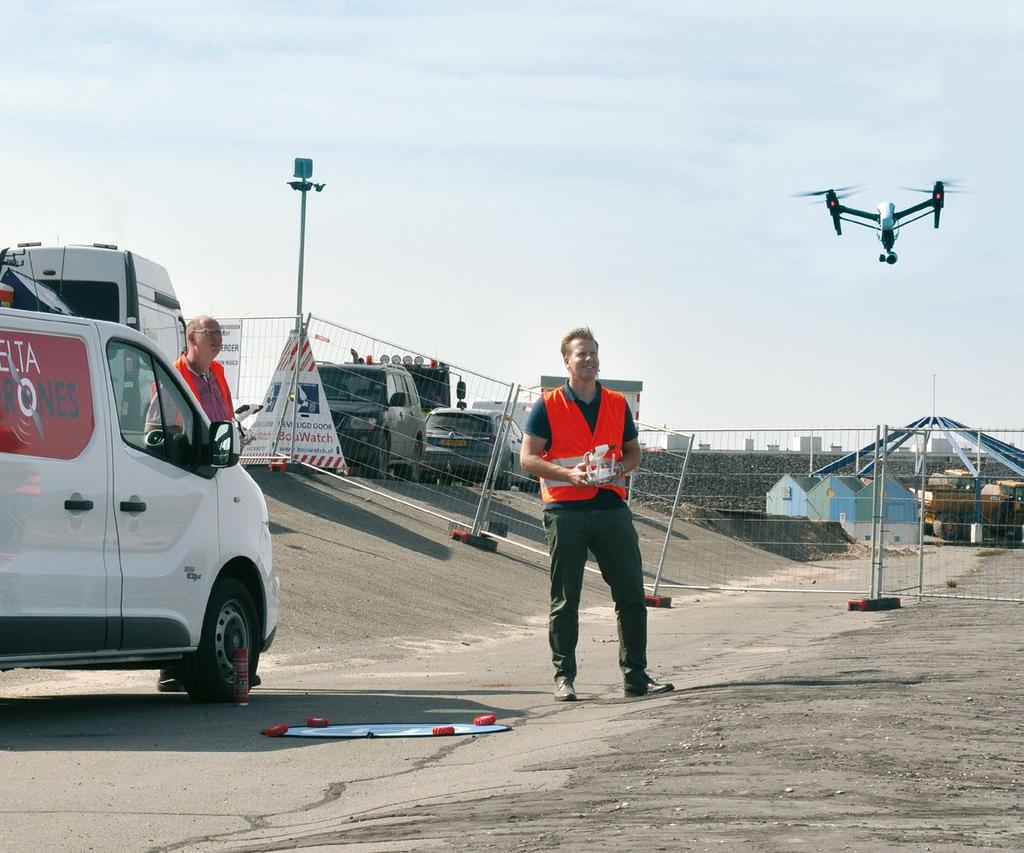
x=454, y=442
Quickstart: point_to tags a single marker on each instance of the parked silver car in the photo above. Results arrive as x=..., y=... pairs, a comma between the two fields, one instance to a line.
x=460, y=443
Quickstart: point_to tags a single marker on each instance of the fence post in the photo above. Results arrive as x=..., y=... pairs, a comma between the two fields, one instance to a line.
x=880, y=488
x=293, y=393
x=920, y=523
x=874, y=520
x=484, y=506
x=672, y=515
x=300, y=330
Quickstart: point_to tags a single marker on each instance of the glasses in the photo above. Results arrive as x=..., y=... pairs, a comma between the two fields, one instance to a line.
x=213, y=333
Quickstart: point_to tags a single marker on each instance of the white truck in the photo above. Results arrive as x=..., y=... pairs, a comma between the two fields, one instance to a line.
x=98, y=281
x=129, y=535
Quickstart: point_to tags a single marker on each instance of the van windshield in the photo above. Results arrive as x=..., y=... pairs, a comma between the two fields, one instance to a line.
x=355, y=384
x=95, y=299
x=461, y=422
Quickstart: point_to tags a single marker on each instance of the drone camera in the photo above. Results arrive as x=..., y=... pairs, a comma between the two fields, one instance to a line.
x=891, y=258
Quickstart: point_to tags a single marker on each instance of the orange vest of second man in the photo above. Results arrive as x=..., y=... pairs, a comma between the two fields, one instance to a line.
x=218, y=373
x=571, y=440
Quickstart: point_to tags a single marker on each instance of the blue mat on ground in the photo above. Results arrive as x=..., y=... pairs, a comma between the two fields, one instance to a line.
x=392, y=730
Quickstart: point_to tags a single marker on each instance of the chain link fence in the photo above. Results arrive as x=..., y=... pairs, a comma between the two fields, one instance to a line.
x=740, y=509
x=934, y=511
x=250, y=352
x=969, y=494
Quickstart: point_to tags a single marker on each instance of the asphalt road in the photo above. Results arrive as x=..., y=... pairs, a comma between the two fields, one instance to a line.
x=796, y=725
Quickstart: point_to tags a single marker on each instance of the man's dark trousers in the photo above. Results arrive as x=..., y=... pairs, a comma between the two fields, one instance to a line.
x=610, y=535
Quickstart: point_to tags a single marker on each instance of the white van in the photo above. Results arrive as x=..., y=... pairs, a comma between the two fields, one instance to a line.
x=98, y=281
x=520, y=409
x=129, y=535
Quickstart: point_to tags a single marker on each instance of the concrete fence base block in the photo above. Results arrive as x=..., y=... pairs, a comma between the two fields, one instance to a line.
x=484, y=543
x=883, y=603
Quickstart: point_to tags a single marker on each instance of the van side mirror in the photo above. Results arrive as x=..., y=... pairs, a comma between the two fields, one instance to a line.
x=398, y=399
x=223, y=448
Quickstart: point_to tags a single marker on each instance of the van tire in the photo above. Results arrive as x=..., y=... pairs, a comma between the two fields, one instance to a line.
x=230, y=622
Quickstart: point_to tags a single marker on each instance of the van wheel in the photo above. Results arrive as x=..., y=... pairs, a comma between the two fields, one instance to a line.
x=230, y=623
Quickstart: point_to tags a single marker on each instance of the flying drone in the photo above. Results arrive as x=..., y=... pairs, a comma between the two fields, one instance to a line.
x=886, y=220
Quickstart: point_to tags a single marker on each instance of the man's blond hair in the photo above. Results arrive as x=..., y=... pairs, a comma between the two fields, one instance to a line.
x=581, y=333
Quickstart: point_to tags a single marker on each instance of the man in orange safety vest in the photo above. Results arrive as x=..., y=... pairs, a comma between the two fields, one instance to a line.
x=205, y=377
x=584, y=514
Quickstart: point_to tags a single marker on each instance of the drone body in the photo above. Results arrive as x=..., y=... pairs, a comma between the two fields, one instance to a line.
x=886, y=220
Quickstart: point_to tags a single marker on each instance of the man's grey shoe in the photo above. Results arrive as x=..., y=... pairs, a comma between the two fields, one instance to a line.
x=646, y=686
x=564, y=691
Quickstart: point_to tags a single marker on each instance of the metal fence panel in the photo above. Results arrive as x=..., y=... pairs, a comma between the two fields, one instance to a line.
x=260, y=342
x=438, y=459
x=722, y=535
x=972, y=524
x=791, y=509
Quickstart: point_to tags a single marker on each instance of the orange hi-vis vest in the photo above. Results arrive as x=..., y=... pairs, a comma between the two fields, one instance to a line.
x=218, y=373
x=571, y=440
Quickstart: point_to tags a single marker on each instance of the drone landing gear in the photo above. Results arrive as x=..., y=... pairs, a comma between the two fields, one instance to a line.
x=889, y=258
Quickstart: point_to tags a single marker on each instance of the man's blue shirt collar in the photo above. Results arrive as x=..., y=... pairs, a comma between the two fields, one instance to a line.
x=575, y=399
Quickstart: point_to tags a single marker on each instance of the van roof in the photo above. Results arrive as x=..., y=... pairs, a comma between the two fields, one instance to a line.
x=107, y=328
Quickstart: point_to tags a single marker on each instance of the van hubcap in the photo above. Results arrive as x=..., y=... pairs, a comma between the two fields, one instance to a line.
x=232, y=633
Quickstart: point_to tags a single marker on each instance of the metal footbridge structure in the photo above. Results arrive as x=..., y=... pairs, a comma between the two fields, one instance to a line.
x=959, y=436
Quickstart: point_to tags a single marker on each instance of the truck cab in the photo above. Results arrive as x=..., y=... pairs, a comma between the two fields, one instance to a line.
x=98, y=281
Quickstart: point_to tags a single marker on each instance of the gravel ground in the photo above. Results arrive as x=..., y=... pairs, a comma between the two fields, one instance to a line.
x=905, y=736
x=901, y=733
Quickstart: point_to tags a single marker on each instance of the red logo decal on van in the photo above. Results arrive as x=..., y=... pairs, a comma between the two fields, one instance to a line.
x=45, y=395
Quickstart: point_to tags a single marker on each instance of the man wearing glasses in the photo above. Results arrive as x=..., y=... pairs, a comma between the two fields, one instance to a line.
x=204, y=375
x=206, y=379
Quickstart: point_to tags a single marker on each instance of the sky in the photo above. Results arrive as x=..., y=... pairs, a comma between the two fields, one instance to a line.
x=498, y=173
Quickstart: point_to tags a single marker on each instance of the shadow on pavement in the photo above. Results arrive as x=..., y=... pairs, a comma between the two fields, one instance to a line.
x=173, y=723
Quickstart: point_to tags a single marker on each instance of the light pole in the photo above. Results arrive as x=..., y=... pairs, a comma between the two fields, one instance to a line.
x=303, y=172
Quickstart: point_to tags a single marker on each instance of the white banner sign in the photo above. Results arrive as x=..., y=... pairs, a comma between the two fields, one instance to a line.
x=316, y=441
x=230, y=356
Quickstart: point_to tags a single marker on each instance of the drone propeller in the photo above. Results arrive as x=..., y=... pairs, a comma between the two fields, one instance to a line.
x=837, y=190
x=948, y=186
